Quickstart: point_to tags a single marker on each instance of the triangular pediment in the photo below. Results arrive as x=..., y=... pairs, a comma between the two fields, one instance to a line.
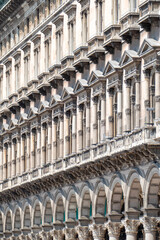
x=148, y=45
x=126, y=58
x=67, y=92
x=22, y=118
x=111, y=67
x=13, y=123
x=32, y=113
x=5, y=127
x=55, y=99
x=94, y=77
x=44, y=105
x=80, y=85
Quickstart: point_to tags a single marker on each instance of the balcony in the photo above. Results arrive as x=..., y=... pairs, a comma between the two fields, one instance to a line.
x=55, y=76
x=95, y=48
x=149, y=13
x=140, y=146
x=44, y=85
x=112, y=39
x=12, y=104
x=80, y=58
x=67, y=70
x=129, y=26
x=32, y=89
x=22, y=98
x=4, y=111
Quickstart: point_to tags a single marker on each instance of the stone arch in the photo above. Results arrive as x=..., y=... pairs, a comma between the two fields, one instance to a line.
x=17, y=219
x=117, y=200
x=86, y=205
x=1, y=223
x=154, y=192
x=60, y=211
x=48, y=213
x=27, y=217
x=135, y=199
x=37, y=217
x=8, y=222
x=72, y=210
x=101, y=202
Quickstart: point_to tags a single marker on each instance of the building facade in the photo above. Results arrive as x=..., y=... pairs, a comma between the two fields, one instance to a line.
x=80, y=119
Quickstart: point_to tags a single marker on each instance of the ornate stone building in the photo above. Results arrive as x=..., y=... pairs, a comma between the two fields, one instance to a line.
x=80, y=119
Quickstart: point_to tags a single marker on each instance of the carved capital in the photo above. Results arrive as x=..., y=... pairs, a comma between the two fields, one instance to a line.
x=137, y=107
x=74, y=135
x=98, y=231
x=146, y=73
x=43, y=149
x=119, y=115
x=67, y=138
x=58, y=234
x=95, y=126
x=149, y=224
x=110, y=118
x=131, y=226
x=70, y=233
x=146, y=103
x=88, y=129
x=114, y=229
x=55, y=144
x=157, y=98
x=103, y=123
x=80, y=133
x=83, y=233
x=128, y=111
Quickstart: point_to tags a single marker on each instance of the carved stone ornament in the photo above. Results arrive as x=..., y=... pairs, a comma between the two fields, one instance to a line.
x=113, y=229
x=58, y=234
x=83, y=233
x=131, y=226
x=149, y=224
x=98, y=231
x=74, y=135
x=137, y=107
x=70, y=234
x=80, y=133
x=103, y=123
x=110, y=118
x=119, y=115
x=67, y=138
x=95, y=126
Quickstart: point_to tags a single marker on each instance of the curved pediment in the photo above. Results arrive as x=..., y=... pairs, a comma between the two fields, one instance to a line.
x=148, y=45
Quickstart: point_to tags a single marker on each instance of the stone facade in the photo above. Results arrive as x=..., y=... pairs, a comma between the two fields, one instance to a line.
x=80, y=119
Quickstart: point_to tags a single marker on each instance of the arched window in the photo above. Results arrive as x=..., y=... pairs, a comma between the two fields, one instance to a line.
x=48, y=217
x=86, y=210
x=37, y=220
x=27, y=217
x=72, y=208
x=60, y=213
x=1, y=223
x=8, y=225
x=17, y=220
x=116, y=11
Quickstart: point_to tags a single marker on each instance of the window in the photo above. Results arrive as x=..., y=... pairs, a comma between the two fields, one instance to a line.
x=59, y=45
x=99, y=13
x=26, y=69
x=37, y=14
x=71, y=29
x=8, y=83
x=133, y=5
x=27, y=25
x=84, y=27
x=17, y=77
x=116, y=11
x=36, y=62
x=47, y=54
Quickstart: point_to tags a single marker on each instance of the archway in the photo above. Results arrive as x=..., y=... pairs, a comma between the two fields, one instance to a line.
x=60, y=213
x=101, y=202
x=117, y=202
x=72, y=208
x=122, y=235
x=37, y=220
x=17, y=220
x=154, y=192
x=48, y=216
x=27, y=217
x=86, y=210
x=8, y=225
x=140, y=234
x=135, y=196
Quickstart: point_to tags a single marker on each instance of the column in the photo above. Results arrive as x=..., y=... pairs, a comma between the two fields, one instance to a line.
x=137, y=102
x=1, y=163
x=13, y=160
x=28, y=152
x=83, y=233
x=113, y=230
x=74, y=127
x=146, y=95
x=61, y=136
x=95, y=124
x=110, y=112
x=49, y=142
x=87, y=124
x=38, y=146
x=43, y=144
x=131, y=228
x=150, y=227
x=98, y=231
x=9, y=160
x=54, y=129
x=157, y=92
x=66, y=133
x=119, y=110
x=22, y=155
x=127, y=105
x=32, y=158
x=4, y=162
x=70, y=234
x=18, y=156
x=132, y=98
x=80, y=127
x=103, y=117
